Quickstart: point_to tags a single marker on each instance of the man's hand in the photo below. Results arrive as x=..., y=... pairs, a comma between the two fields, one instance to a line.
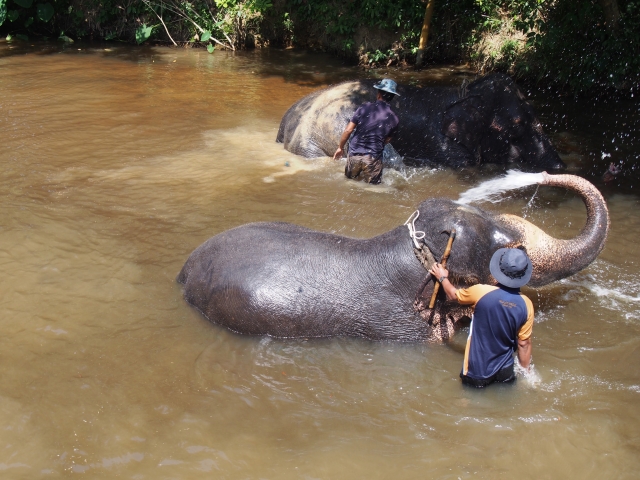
x=438, y=271
x=343, y=140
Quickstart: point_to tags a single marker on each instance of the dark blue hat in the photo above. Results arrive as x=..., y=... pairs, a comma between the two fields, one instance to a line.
x=387, y=85
x=511, y=267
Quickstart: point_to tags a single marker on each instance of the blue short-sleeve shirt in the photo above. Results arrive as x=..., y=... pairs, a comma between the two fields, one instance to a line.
x=375, y=121
x=501, y=316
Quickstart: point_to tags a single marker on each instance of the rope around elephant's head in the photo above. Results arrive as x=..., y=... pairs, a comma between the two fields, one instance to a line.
x=413, y=233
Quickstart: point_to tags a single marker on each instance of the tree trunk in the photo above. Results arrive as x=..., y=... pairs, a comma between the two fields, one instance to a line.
x=424, y=34
x=611, y=14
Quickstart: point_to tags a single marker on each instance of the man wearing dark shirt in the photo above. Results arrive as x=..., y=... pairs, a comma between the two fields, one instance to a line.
x=374, y=124
x=502, y=319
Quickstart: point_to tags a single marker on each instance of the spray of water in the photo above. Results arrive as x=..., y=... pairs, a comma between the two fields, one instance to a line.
x=492, y=190
x=391, y=158
x=529, y=375
x=393, y=162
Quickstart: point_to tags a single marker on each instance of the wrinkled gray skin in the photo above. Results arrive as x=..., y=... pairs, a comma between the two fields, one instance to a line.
x=488, y=121
x=284, y=280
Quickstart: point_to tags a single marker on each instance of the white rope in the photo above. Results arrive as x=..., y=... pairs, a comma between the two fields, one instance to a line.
x=411, y=225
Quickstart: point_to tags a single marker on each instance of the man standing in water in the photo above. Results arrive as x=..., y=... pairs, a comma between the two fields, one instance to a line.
x=502, y=319
x=374, y=124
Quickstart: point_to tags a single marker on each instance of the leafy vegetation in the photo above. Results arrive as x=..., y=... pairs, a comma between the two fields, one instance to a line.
x=579, y=45
x=575, y=49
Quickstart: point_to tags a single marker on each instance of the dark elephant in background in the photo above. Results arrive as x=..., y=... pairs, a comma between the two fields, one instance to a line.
x=284, y=280
x=486, y=121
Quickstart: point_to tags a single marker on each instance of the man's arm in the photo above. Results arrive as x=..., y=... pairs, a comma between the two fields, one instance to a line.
x=343, y=140
x=439, y=272
x=524, y=336
x=524, y=353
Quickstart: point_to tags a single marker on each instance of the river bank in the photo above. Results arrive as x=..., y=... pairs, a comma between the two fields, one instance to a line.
x=590, y=48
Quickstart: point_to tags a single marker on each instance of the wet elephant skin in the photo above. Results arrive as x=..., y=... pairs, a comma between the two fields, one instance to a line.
x=285, y=280
x=487, y=121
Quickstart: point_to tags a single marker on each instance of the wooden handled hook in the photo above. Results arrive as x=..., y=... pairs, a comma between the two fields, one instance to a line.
x=443, y=262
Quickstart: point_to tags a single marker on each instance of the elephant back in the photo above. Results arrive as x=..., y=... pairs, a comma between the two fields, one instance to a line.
x=312, y=126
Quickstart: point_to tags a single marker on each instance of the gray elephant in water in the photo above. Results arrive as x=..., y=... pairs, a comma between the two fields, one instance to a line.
x=487, y=121
x=284, y=280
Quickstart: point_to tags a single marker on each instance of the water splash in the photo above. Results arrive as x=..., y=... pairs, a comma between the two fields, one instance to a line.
x=391, y=158
x=530, y=375
x=394, y=165
x=615, y=289
x=492, y=190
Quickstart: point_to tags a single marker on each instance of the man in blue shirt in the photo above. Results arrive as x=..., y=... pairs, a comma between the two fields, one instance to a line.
x=374, y=124
x=502, y=319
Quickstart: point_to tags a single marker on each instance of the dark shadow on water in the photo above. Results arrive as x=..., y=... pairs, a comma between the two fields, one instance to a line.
x=293, y=65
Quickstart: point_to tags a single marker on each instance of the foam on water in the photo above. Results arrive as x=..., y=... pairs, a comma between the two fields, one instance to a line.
x=530, y=376
x=613, y=294
x=619, y=293
x=492, y=190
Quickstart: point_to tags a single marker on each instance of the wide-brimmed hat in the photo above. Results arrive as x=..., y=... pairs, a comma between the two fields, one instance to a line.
x=511, y=267
x=387, y=85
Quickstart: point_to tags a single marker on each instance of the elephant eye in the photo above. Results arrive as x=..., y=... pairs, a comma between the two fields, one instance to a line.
x=517, y=128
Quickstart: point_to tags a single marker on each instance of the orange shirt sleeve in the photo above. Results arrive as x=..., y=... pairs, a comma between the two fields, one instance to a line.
x=471, y=295
x=527, y=328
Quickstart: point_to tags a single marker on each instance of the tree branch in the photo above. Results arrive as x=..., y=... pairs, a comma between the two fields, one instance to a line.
x=163, y=24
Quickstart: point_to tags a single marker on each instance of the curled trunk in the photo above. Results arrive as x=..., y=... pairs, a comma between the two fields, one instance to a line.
x=552, y=258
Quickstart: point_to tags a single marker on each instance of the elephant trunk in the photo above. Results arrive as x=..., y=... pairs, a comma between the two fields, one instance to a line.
x=554, y=259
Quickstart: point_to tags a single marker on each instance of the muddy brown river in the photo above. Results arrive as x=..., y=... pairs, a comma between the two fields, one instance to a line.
x=116, y=162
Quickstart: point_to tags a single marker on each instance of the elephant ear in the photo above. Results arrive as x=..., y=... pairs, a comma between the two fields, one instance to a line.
x=464, y=121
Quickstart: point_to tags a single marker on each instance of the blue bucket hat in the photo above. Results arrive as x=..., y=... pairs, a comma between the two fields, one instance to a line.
x=387, y=85
x=511, y=267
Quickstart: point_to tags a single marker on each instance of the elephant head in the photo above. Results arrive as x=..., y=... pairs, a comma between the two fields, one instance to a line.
x=495, y=124
x=480, y=233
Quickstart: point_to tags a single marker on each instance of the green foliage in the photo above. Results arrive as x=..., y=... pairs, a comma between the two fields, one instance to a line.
x=30, y=14
x=378, y=56
x=226, y=22
x=564, y=42
x=575, y=50
x=45, y=11
x=3, y=11
x=64, y=38
x=337, y=23
x=24, y=3
x=143, y=33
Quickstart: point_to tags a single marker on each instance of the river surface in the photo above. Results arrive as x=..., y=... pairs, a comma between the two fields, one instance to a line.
x=117, y=162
